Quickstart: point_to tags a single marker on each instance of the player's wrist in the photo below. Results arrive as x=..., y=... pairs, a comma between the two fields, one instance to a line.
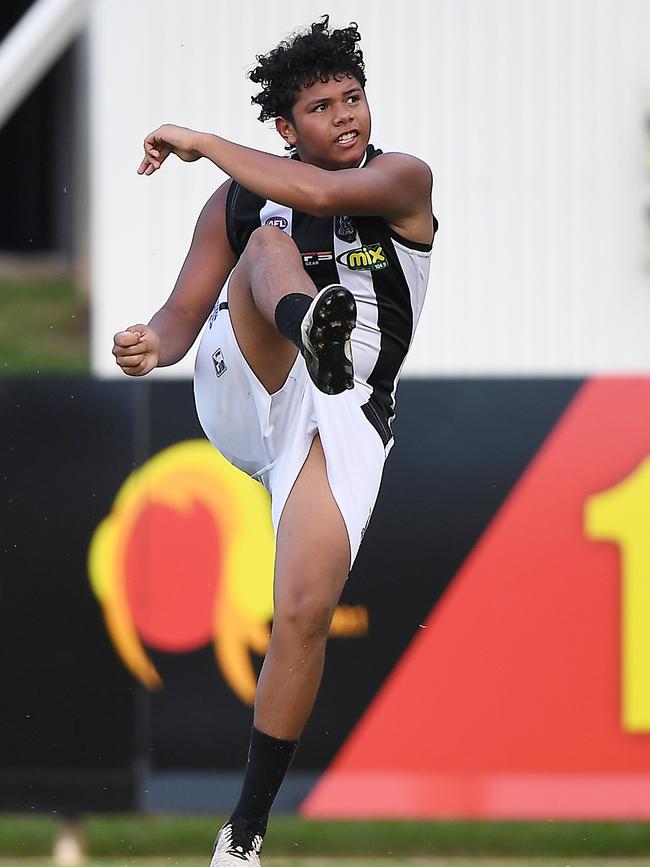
x=201, y=142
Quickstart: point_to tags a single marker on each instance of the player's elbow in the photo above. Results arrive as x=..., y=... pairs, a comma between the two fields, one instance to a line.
x=319, y=203
x=340, y=196
x=184, y=319
x=328, y=195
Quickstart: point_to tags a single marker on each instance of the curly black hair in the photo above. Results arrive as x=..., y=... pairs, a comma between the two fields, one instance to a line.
x=315, y=55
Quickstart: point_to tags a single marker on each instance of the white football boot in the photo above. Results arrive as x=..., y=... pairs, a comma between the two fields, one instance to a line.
x=234, y=848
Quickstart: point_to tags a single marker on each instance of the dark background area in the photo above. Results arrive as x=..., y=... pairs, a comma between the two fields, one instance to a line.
x=67, y=708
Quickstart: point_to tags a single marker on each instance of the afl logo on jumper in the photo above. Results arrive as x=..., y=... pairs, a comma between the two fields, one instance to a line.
x=367, y=258
x=219, y=363
x=344, y=228
x=277, y=221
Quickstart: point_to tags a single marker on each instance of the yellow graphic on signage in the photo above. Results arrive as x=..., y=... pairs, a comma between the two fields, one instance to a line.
x=622, y=515
x=185, y=558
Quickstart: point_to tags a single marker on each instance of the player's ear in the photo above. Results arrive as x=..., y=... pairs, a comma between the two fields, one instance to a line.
x=286, y=130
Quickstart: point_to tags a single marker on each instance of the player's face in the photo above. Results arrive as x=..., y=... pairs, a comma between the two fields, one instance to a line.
x=331, y=123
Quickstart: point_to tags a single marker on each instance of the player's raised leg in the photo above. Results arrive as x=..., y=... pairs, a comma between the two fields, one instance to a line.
x=312, y=564
x=274, y=308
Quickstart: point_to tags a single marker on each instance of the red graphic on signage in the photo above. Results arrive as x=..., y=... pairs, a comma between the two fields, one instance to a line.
x=507, y=704
x=185, y=558
x=171, y=587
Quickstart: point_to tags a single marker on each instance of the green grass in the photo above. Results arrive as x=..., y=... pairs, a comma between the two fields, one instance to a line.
x=395, y=861
x=43, y=327
x=186, y=837
x=171, y=835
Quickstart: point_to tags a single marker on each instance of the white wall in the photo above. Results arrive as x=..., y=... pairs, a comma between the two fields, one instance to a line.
x=531, y=113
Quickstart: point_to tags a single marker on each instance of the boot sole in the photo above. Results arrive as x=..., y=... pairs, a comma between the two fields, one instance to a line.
x=326, y=331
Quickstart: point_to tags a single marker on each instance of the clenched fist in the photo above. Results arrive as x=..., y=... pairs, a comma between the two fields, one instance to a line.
x=136, y=350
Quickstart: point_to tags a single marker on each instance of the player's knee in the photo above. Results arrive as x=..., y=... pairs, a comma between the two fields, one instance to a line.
x=269, y=239
x=304, y=615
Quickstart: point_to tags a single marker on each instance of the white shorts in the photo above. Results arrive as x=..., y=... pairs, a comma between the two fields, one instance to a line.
x=268, y=436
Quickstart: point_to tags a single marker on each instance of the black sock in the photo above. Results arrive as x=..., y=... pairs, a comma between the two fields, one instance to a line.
x=289, y=313
x=268, y=762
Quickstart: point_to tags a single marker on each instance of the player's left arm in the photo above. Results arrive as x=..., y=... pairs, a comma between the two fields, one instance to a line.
x=394, y=186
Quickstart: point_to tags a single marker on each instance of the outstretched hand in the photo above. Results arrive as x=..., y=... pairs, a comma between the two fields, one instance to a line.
x=168, y=139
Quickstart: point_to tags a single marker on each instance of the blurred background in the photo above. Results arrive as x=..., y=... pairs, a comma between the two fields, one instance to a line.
x=489, y=659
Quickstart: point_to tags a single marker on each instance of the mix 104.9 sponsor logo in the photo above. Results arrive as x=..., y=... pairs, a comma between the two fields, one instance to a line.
x=370, y=257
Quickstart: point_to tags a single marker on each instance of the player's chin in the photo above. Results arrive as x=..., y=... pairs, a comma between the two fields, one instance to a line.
x=350, y=157
x=354, y=152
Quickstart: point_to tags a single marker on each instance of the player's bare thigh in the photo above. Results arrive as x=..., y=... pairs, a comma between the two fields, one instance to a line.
x=312, y=536
x=268, y=352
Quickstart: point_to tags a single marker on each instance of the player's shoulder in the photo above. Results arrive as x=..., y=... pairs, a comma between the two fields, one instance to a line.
x=405, y=165
x=217, y=198
x=216, y=203
x=213, y=215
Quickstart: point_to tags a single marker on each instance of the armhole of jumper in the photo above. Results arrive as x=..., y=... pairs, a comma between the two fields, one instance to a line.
x=231, y=201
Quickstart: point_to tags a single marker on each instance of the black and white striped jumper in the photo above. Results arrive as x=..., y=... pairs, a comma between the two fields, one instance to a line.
x=386, y=273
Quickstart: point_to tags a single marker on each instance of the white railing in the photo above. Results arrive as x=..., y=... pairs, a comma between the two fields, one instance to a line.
x=34, y=44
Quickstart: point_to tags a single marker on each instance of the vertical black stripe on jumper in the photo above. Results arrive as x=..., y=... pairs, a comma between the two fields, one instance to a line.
x=231, y=202
x=313, y=236
x=242, y=215
x=394, y=317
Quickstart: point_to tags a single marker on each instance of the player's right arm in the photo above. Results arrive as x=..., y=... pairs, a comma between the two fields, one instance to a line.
x=175, y=327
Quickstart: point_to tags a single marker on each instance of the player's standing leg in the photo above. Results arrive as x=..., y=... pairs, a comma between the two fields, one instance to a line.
x=312, y=551
x=312, y=564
